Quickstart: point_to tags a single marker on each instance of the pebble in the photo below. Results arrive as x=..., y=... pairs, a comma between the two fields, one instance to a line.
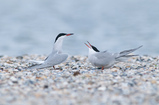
x=102, y=88
x=13, y=79
x=76, y=81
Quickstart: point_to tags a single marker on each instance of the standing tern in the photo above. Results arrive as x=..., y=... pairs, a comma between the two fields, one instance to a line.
x=105, y=59
x=56, y=56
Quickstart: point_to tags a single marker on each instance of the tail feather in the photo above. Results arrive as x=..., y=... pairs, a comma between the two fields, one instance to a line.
x=38, y=66
x=124, y=54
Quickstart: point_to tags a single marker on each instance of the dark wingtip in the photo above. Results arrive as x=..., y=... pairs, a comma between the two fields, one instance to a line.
x=140, y=46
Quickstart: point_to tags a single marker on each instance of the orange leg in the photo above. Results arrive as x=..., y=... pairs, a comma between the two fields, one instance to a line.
x=103, y=68
x=54, y=67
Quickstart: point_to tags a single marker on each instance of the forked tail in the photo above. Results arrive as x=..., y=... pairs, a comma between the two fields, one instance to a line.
x=124, y=54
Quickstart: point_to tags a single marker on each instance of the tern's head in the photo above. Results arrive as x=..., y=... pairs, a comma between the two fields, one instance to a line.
x=92, y=48
x=61, y=36
x=59, y=40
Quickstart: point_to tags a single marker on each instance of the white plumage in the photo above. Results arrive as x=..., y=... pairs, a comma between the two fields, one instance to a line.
x=104, y=59
x=56, y=56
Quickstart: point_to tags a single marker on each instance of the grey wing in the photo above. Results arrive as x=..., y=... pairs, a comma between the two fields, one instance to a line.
x=104, y=58
x=103, y=55
x=53, y=59
x=56, y=58
x=37, y=62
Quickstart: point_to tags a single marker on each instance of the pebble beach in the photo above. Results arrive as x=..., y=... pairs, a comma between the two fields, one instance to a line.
x=77, y=82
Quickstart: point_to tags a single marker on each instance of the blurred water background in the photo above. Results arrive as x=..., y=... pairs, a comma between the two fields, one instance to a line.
x=30, y=26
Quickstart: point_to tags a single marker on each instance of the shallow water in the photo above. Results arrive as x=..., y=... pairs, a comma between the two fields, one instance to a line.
x=30, y=27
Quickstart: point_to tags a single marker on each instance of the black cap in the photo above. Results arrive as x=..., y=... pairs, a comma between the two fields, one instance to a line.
x=94, y=48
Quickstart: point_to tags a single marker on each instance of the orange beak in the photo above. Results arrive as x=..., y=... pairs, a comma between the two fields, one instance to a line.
x=89, y=46
x=69, y=34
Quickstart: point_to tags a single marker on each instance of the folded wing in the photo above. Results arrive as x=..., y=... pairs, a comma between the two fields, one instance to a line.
x=52, y=59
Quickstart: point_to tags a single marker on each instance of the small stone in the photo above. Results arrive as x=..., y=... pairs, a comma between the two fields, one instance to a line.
x=15, y=70
x=76, y=73
x=114, y=70
x=14, y=80
x=102, y=88
x=115, y=74
x=74, y=67
x=46, y=86
x=153, y=81
x=19, y=57
x=1, y=69
x=131, y=84
x=123, y=74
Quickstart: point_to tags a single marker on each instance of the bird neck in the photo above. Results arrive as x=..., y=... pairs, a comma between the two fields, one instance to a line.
x=91, y=51
x=58, y=45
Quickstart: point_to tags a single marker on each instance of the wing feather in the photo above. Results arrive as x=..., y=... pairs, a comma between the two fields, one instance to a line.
x=103, y=58
x=56, y=59
x=53, y=59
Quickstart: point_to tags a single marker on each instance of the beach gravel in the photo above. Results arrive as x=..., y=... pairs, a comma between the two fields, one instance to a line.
x=77, y=82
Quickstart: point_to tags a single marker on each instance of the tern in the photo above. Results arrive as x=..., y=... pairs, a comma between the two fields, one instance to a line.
x=56, y=56
x=104, y=59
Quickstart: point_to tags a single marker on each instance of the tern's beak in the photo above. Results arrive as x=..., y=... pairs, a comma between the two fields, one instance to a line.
x=69, y=34
x=88, y=45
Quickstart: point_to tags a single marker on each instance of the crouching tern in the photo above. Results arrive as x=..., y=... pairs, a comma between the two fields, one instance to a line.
x=104, y=59
x=56, y=56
